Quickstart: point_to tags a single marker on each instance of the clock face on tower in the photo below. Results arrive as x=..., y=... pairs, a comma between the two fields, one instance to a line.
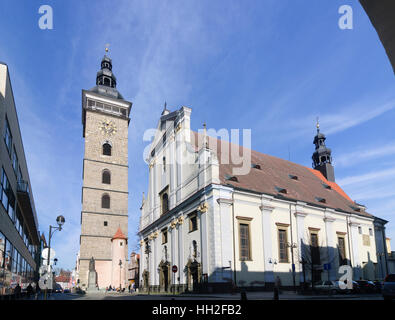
x=107, y=127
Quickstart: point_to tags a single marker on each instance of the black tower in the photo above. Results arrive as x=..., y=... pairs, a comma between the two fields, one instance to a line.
x=322, y=159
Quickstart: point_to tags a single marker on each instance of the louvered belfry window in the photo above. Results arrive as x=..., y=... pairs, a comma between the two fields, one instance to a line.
x=106, y=177
x=107, y=149
x=105, y=201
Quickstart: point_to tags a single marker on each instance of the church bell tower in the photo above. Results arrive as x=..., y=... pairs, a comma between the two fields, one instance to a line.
x=322, y=158
x=105, y=120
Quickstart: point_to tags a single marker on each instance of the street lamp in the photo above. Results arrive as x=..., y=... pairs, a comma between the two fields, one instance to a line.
x=147, y=252
x=120, y=275
x=60, y=220
x=293, y=246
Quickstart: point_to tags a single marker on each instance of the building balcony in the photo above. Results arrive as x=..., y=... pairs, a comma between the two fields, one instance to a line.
x=25, y=203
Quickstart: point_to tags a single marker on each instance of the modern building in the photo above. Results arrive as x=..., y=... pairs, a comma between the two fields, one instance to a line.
x=381, y=15
x=133, y=275
x=19, y=235
x=104, y=215
x=219, y=215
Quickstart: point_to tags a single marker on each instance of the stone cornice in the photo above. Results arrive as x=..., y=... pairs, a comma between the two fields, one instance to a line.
x=105, y=190
x=224, y=201
x=329, y=219
x=108, y=163
x=300, y=214
x=266, y=208
x=354, y=224
x=244, y=218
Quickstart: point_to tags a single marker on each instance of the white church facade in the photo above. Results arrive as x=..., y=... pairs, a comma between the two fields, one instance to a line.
x=217, y=228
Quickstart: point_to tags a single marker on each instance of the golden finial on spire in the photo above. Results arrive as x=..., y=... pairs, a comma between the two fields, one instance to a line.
x=107, y=47
x=318, y=124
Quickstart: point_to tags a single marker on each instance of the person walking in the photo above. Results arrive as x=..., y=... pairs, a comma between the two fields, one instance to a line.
x=278, y=284
x=29, y=290
x=17, y=291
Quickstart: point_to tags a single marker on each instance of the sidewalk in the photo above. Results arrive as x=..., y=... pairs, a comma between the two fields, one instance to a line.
x=267, y=295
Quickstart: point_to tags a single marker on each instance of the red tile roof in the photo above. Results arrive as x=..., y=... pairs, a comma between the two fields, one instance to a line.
x=119, y=234
x=274, y=175
x=62, y=278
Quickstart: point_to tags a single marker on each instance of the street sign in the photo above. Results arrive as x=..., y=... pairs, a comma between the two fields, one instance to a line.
x=174, y=269
x=45, y=253
x=327, y=266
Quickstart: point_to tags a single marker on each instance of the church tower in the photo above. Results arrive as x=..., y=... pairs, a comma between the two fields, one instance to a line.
x=322, y=158
x=105, y=120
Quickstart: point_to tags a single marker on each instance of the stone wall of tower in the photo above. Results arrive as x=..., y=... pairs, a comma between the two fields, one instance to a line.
x=96, y=235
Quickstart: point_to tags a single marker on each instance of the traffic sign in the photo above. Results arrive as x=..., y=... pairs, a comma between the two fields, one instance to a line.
x=174, y=269
x=45, y=253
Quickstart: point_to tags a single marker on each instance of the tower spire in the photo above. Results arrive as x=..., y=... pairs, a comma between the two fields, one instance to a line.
x=322, y=156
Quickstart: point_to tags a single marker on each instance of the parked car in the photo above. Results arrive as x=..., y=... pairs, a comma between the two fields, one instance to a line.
x=366, y=286
x=355, y=287
x=66, y=291
x=389, y=287
x=378, y=285
x=331, y=287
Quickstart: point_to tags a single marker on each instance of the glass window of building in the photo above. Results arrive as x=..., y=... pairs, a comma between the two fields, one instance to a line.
x=2, y=250
x=4, y=187
x=7, y=136
x=8, y=254
x=245, y=250
x=15, y=161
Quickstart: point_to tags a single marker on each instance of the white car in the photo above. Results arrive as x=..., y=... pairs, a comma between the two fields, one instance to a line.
x=332, y=287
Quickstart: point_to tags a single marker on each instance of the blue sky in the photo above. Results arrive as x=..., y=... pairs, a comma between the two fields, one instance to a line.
x=272, y=66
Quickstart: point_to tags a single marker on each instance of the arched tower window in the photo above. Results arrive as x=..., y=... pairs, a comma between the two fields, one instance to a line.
x=107, y=149
x=106, y=177
x=105, y=201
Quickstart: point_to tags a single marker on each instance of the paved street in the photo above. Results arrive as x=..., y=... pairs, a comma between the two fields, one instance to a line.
x=250, y=296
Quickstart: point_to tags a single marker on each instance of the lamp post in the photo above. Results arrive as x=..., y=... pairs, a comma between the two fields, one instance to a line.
x=293, y=246
x=147, y=252
x=120, y=275
x=60, y=221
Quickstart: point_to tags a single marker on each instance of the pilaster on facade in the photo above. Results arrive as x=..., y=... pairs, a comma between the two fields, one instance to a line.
x=356, y=262
x=268, y=257
x=330, y=242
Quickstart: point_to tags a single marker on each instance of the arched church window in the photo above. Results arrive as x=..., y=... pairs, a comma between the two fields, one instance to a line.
x=107, y=149
x=105, y=201
x=107, y=82
x=106, y=176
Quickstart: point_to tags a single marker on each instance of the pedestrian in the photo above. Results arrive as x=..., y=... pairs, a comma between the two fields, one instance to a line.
x=29, y=290
x=17, y=291
x=278, y=284
x=129, y=288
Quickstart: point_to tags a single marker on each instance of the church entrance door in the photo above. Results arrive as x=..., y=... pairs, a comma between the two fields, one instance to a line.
x=166, y=277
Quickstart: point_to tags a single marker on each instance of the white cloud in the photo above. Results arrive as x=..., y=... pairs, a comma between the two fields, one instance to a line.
x=367, y=177
x=362, y=154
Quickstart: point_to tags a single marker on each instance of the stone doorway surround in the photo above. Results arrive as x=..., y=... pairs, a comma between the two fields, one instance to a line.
x=193, y=275
x=164, y=276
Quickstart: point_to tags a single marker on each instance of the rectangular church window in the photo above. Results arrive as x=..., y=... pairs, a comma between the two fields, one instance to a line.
x=282, y=245
x=245, y=249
